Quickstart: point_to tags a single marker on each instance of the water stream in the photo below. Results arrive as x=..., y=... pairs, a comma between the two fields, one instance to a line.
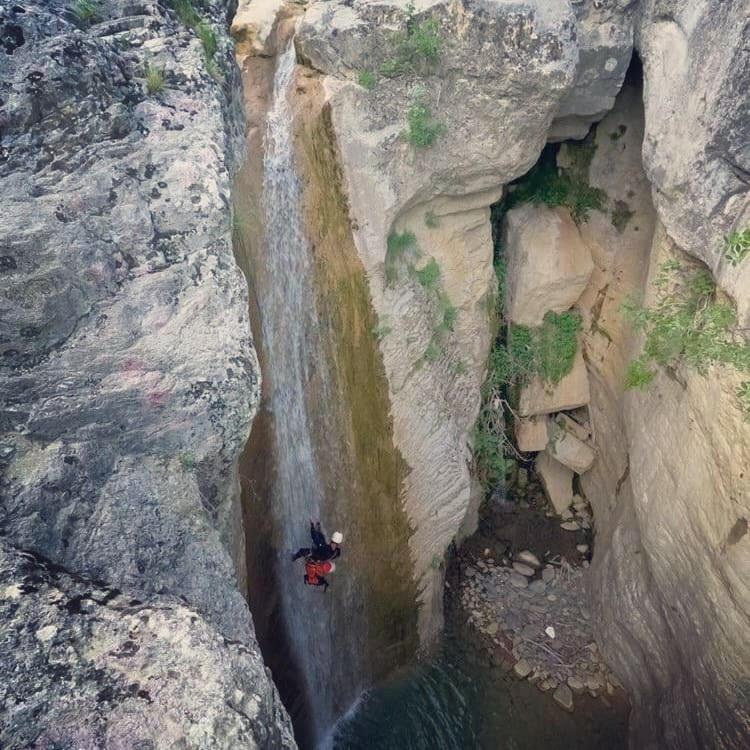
x=293, y=349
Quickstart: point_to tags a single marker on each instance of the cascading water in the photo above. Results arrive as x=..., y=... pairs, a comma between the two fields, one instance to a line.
x=321, y=445
x=293, y=349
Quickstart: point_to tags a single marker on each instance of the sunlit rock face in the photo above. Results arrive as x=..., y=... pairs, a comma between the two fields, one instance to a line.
x=505, y=72
x=128, y=377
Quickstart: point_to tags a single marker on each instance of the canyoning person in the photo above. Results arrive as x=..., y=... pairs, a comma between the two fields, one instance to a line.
x=315, y=570
x=321, y=550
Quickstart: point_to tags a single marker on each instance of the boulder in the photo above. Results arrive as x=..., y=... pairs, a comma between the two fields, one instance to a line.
x=557, y=481
x=540, y=397
x=531, y=434
x=548, y=263
x=564, y=697
x=569, y=449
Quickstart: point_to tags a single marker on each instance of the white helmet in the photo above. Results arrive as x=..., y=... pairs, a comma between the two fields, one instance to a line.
x=337, y=537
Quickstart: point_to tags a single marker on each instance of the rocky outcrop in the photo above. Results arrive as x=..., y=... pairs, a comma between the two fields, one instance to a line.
x=501, y=77
x=548, y=263
x=95, y=667
x=695, y=151
x=128, y=374
x=668, y=486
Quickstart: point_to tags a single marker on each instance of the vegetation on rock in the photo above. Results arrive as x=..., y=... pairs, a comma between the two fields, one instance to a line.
x=737, y=246
x=205, y=32
x=367, y=79
x=398, y=244
x=154, y=79
x=86, y=11
x=689, y=324
x=416, y=49
x=423, y=130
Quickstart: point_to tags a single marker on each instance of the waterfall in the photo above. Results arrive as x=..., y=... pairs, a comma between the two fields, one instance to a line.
x=290, y=328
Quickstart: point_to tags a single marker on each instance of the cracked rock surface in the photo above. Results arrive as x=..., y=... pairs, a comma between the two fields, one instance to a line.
x=127, y=371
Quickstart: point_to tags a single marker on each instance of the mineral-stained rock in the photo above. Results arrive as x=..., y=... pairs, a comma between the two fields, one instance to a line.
x=557, y=481
x=548, y=263
x=540, y=397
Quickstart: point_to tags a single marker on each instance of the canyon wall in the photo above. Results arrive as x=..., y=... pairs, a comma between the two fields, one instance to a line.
x=668, y=485
x=503, y=76
x=129, y=381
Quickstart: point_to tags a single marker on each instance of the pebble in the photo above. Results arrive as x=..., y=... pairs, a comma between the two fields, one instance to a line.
x=564, y=697
x=491, y=629
x=538, y=587
x=570, y=526
x=470, y=572
x=582, y=548
x=518, y=581
x=522, y=668
x=524, y=570
x=575, y=684
x=529, y=558
x=566, y=515
x=594, y=683
x=548, y=574
x=546, y=685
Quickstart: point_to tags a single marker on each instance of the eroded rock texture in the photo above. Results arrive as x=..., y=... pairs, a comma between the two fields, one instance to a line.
x=97, y=667
x=128, y=373
x=505, y=72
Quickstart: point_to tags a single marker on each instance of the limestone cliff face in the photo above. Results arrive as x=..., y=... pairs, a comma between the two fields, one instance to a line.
x=505, y=73
x=128, y=376
x=668, y=483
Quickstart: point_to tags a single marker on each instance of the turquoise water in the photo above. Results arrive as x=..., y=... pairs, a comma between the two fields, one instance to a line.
x=461, y=701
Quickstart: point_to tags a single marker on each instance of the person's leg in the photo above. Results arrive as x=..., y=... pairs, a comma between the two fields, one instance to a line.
x=301, y=552
x=317, y=535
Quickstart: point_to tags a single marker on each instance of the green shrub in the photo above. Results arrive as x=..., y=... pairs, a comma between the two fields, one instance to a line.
x=639, y=375
x=450, y=315
x=546, y=184
x=423, y=130
x=380, y=331
x=429, y=275
x=367, y=79
x=556, y=343
x=688, y=324
x=743, y=396
x=86, y=11
x=737, y=246
x=186, y=13
x=431, y=221
x=415, y=50
x=397, y=246
x=615, y=135
x=207, y=35
x=154, y=79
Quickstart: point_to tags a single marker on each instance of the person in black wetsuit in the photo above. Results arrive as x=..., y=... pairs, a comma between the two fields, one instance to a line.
x=321, y=550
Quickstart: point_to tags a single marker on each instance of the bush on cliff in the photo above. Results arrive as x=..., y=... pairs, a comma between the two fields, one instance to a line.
x=688, y=324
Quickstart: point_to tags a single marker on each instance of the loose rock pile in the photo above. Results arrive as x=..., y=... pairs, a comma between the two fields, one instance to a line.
x=533, y=616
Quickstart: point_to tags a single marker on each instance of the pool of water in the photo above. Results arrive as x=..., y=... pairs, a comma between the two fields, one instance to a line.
x=462, y=701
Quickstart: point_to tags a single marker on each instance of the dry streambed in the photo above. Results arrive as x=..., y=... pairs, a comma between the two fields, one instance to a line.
x=522, y=586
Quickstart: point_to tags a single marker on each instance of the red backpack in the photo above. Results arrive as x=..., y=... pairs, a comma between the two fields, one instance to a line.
x=315, y=570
